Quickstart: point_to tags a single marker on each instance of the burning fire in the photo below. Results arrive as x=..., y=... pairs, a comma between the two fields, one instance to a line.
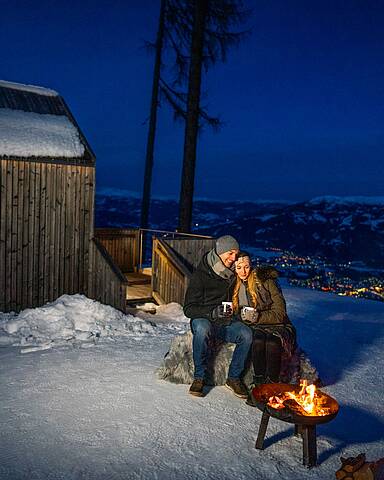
x=308, y=400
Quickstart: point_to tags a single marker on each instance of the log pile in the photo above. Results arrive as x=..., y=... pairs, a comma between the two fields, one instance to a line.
x=357, y=468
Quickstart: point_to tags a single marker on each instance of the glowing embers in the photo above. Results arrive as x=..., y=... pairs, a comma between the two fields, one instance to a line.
x=308, y=401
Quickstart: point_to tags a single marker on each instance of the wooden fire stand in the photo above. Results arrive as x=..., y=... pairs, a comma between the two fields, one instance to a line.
x=305, y=426
x=307, y=432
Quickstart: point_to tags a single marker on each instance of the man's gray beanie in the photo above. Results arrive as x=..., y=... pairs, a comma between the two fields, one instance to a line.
x=225, y=244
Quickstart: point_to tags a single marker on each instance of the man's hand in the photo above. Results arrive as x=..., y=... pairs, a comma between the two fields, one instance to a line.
x=219, y=313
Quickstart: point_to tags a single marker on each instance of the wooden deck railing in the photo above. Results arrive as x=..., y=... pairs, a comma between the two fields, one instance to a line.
x=174, y=257
x=173, y=261
x=123, y=245
x=107, y=284
x=170, y=277
x=190, y=250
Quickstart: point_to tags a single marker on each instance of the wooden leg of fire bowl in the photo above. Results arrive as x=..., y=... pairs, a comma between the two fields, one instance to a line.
x=262, y=430
x=309, y=446
x=298, y=431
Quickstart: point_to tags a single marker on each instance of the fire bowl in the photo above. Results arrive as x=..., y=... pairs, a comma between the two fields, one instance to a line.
x=292, y=412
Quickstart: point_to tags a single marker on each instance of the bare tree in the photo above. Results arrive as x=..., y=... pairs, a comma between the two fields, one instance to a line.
x=152, y=120
x=200, y=33
x=192, y=35
x=192, y=117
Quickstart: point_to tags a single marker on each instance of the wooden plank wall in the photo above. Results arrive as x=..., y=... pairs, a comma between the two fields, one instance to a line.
x=191, y=249
x=122, y=245
x=169, y=276
x=45, y=230
x=107, y=284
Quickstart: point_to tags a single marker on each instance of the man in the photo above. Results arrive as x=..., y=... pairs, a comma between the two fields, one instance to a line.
x=210, y=285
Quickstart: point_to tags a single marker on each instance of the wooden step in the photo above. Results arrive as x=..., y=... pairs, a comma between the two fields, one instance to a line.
x=137, y=278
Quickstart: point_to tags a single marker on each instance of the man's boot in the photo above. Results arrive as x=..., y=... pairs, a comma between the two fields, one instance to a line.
x=237, y=387
x=197, y=387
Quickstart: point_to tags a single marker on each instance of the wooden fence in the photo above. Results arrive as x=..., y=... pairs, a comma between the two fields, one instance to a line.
x=123, y=245
x=107, y=284
x=173, y=261
x=170, y=276
x=190, y=250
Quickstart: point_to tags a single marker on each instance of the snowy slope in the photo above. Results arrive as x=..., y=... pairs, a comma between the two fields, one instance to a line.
x=100, y=413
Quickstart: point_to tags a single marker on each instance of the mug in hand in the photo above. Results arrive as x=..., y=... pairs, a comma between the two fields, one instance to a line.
x=248, y=309
x=247, y=313
x=227, y=306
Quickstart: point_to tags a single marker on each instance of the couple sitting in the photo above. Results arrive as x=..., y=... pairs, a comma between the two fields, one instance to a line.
x=255, y=319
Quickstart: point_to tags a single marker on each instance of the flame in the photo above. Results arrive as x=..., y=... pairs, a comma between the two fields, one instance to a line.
x=276, y=402
x=307, y=398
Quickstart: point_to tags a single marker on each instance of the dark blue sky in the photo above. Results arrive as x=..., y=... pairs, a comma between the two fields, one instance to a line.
x=302, y=99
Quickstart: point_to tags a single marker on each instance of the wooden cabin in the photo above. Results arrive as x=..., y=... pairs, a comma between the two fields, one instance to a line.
x=48, y=246
x=47, y=181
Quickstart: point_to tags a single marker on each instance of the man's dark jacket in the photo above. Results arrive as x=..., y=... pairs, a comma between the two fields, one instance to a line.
x=206, y=291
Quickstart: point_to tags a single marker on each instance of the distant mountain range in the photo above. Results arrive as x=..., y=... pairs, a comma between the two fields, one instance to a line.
x=340, y=229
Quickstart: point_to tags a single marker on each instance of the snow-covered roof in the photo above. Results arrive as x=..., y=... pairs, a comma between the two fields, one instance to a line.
x=28, y=88
x=28, y=134
x=35, y=123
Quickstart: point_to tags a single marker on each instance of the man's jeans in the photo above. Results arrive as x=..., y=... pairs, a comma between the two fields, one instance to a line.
x=235, y=332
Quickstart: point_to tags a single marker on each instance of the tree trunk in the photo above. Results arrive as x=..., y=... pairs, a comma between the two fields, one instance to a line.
x=192, y=120
x=152, y=122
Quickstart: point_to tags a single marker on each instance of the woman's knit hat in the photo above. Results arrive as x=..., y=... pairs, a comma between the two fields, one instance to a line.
x=225, y=244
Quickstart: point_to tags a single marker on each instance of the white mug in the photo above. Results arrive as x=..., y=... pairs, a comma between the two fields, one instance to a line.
x=227, y=306
x=248, y=309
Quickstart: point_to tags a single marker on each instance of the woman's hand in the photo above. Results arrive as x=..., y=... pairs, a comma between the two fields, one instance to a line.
x=249, y=314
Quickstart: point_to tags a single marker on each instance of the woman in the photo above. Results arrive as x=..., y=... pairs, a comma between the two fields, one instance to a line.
x=273, y=332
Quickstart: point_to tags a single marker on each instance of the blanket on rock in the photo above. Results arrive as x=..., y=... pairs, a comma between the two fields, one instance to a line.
x=177, y=366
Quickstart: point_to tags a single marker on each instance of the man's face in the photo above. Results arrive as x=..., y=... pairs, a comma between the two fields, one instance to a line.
x=229, y=257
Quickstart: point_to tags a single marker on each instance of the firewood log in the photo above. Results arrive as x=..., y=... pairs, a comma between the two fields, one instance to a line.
x=340, y=474
x=295, y=407
x=354, y=463
x=364, y=473
x=378, y=469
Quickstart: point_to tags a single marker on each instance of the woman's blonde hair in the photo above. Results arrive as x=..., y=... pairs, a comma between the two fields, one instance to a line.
x=252, y=282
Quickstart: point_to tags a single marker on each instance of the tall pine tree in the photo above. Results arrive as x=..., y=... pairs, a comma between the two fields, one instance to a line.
x=152, y=121
x=200, y=33
x=192, y=36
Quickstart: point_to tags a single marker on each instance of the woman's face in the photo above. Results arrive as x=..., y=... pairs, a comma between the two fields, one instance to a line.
x=243, y=267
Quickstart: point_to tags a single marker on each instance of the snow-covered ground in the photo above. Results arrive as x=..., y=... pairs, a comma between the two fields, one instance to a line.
x=84, y=402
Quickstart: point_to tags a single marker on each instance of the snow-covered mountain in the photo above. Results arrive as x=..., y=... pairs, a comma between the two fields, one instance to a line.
x=340, y=229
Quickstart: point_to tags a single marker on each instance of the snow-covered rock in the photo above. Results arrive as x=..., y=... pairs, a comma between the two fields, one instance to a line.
x=178, y=367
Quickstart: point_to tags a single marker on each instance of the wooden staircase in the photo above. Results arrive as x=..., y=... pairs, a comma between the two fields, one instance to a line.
x=173, y=260
x=139, y=287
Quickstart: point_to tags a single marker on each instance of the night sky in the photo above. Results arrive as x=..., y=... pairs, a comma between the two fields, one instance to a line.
x=302, y=99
